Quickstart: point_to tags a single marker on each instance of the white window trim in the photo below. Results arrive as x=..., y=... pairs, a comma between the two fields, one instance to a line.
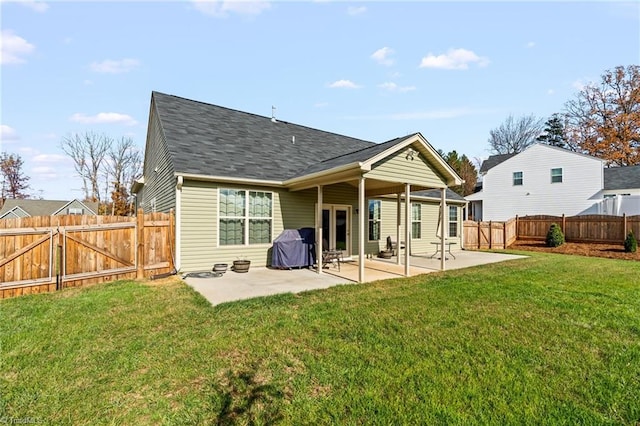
x=561, y=174
x=419, y=221
x=246, y=218
x=513, y=179
x=457, y=222
x=379, y=220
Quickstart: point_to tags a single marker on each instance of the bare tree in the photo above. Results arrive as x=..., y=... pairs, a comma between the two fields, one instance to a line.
x=88, y=152
x=14, y=181
x=124, y=165
x=515, y=135
x=604, y=120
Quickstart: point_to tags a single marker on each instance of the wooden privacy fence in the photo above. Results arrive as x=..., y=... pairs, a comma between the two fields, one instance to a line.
x=489, y=235
x=46, y=253
x=588, y=228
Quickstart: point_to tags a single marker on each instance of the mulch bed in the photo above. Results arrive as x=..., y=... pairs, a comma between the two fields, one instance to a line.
x=611, y=251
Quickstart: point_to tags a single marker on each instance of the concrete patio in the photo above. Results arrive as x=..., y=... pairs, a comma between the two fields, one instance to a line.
x=265, y=281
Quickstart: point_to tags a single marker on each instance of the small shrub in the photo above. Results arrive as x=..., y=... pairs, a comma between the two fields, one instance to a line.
x=555, y=237
x=630, y=243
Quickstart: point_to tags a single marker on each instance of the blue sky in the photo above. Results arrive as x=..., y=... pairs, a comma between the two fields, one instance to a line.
x=373, y=70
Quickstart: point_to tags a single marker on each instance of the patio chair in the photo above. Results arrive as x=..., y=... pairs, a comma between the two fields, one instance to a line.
x=330, y=256
x=393, y=245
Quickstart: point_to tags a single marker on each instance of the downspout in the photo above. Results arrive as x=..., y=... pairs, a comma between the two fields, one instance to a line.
x=399, y=227
x=319, y=237
x=407, y=230
x=178, y=221
x=445, y=229
x=361, y=231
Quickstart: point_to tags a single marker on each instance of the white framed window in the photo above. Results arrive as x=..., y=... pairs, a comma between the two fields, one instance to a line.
x=374, y=220
x=416, y=221
x=517, y=178
x=556, y=175
x=244, y=217
x=453, y=221
x=75, y=211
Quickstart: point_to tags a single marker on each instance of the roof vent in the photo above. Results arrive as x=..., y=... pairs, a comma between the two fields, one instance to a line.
x=273, y=114
x=293, y=140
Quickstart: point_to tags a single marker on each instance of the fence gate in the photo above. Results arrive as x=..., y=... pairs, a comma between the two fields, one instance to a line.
x=45, y=253
x=98, y=250
x=26, y=256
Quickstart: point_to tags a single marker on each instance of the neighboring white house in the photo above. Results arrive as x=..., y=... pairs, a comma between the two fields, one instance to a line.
x=540, y=180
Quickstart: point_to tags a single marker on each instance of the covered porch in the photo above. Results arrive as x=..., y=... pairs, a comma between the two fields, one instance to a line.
x=394, y=169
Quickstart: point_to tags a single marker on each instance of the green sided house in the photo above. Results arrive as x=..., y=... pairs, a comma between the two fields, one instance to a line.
x=237, y=180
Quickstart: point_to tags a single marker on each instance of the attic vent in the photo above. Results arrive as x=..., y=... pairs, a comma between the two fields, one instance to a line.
x=273, y=114
x=293, y=140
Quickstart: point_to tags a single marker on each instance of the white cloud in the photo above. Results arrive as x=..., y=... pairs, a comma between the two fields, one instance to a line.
x=393, y=87
x=36, y=6
x=104, y=118
x=321, y=104
x=221, y=8
x=13, y=48
x=356, y=10
x=531, y=44
x=551, y=92
x=8, y=134
x=381, y=56
x=454, y=59
x=110, y=66
x=87, y=82
x=344, y=84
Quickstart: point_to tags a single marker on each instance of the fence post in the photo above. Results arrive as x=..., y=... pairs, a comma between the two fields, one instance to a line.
x=171, y=238
x=517, y=230
x=490, y=234
x=624, y=226
x=564, y=225
x=479, y=234
x=504, y=235
x=140, y=248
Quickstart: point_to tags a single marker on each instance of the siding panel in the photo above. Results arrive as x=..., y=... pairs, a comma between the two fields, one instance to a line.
x=400, y=169
x=159, y=179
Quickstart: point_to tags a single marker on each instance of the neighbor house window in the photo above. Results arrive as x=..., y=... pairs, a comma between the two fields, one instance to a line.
x=416, y=220
x=517, y=178
x=75, y=210
x=556, y=175
x=245, y=216
x=374, y=220
x=453, y=221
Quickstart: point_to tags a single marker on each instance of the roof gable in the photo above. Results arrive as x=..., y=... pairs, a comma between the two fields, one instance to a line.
x=495, y=160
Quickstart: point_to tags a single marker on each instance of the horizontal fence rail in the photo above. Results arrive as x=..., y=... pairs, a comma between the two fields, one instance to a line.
x=46, y=253
x=587, y=229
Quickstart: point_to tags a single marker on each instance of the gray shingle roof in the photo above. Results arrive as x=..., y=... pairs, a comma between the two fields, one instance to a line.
x=435, y=193
x=622, y=177
x=493, y=161
x=206, y=139
x=352, y=157
x=40, y=207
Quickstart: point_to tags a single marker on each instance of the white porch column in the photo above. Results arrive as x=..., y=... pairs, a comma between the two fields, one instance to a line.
x=445, y=227
x=319, y=230
x=407, y=229
x=399, y=227
x=361, y=228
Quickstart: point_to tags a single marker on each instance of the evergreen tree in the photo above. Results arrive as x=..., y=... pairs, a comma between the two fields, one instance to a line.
x=553, y=132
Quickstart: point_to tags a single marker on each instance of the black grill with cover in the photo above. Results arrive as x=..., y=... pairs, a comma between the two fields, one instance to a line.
x=294, y=248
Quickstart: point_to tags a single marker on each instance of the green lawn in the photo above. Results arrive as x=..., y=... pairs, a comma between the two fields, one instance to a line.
x=551, y=339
